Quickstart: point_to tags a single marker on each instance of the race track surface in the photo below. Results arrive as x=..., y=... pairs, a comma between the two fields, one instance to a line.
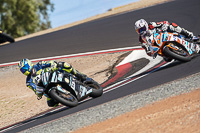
x=111, y=32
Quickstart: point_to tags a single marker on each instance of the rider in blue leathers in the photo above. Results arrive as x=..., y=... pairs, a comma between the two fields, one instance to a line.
x=31, y=71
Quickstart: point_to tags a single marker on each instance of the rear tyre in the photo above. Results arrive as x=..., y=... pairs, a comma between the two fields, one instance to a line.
x=180, y=54
x=5, y=37
x=65, y=99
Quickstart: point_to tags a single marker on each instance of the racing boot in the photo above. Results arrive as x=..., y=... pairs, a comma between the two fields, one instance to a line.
x=51, y=102
x=187, y=34
x=68, y=68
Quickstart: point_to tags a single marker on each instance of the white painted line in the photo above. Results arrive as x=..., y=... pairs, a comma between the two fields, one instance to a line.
x=123, y=82
x=135, y=55
x=74, y=55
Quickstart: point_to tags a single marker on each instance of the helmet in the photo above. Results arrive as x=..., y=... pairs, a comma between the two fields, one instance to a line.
x=141, y=26
x=25, y=66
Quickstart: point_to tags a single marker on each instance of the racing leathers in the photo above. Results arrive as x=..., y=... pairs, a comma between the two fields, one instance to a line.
x=161, y=27
x=31, y=80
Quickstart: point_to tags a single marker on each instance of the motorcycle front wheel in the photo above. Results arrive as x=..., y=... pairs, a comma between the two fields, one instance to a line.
x=177, y=53
x=66, y=99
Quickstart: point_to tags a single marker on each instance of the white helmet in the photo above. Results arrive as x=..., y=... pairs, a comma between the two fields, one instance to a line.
x=141, y=26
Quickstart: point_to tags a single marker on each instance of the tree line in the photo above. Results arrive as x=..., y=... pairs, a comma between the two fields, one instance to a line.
x=23, y=17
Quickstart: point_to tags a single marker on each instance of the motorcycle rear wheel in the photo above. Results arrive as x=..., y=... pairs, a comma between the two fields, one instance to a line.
x=65, y=99
x=181, y=55
x=5, y=37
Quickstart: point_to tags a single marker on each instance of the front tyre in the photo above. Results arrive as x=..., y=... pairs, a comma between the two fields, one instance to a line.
x=65, y=99
x=177, y=53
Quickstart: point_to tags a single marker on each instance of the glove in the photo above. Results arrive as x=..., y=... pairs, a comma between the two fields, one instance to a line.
x=149, y=33
x=164, y=27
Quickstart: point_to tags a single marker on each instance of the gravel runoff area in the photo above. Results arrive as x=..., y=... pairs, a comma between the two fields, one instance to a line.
x=119, y=106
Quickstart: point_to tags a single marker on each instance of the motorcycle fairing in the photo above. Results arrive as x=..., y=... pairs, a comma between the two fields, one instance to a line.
x=162, y=38
x=70, y=81
x=80, y=90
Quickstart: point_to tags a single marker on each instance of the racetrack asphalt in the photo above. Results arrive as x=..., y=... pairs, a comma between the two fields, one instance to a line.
x=107, y=33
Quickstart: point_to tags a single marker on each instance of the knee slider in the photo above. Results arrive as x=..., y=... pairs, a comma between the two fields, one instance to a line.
x=52, y=103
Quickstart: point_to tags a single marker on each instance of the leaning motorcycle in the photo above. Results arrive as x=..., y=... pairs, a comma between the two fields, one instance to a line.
x=172, y=45
x=66, y=89
x=5, y=37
